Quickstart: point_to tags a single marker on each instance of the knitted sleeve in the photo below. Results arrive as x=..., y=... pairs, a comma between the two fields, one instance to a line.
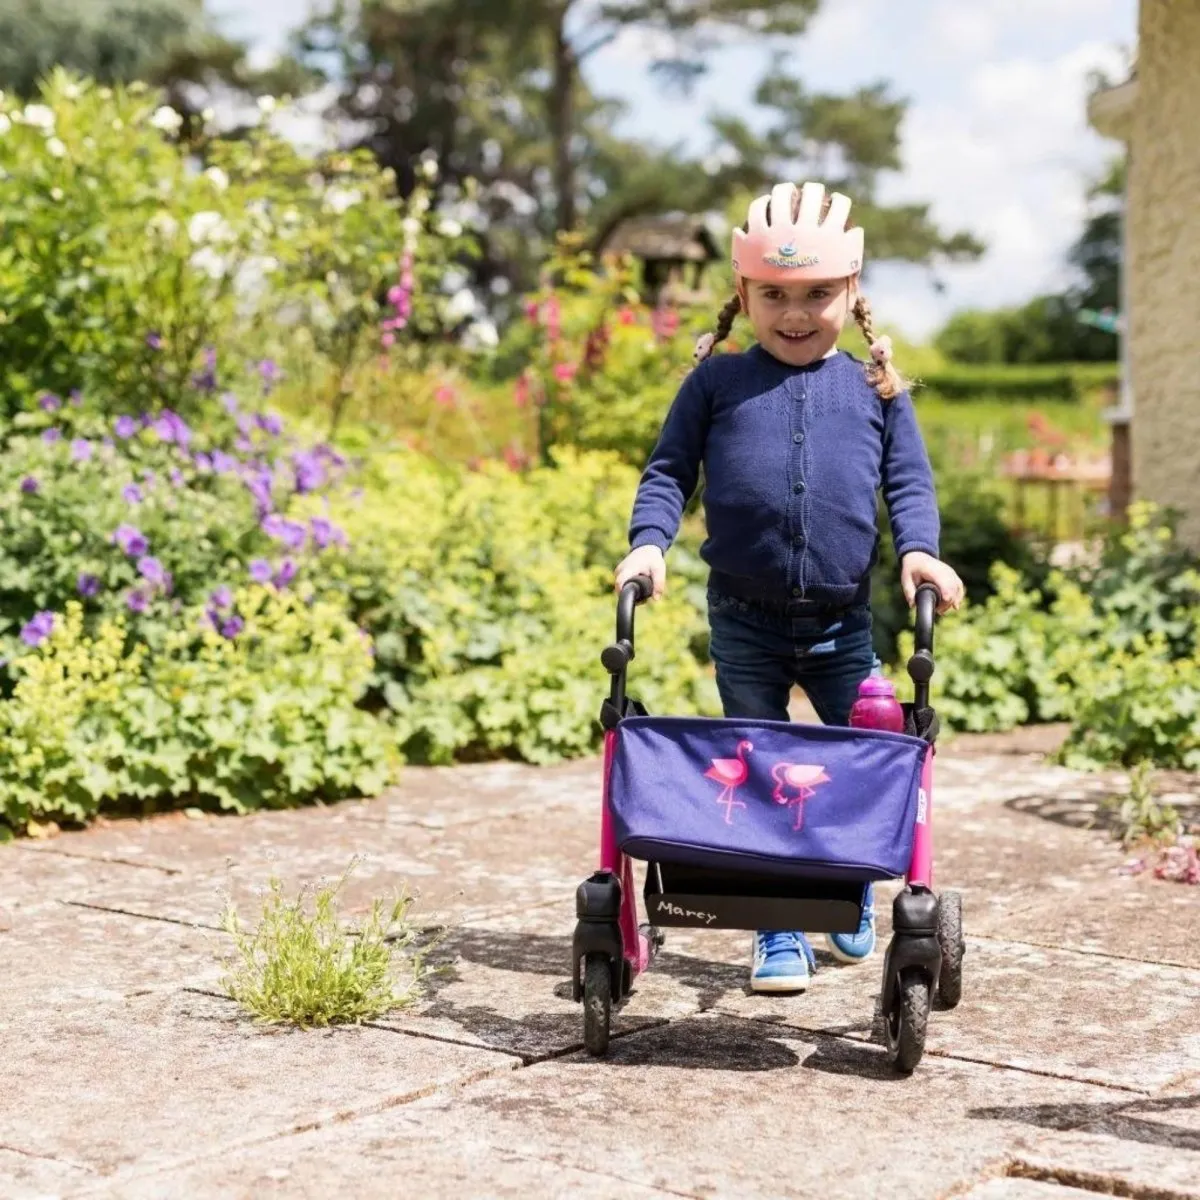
x=907, y=481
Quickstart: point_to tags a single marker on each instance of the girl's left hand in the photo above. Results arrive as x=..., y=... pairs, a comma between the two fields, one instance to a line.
x=918, y=568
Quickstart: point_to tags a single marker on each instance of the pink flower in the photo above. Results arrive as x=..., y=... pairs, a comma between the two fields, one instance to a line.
x=565, y=372
x=521, y=392
x=553, y=319
x=388, y=339
x=444, y=396
x=395, y=293
x=531, y=310
x=627, y=316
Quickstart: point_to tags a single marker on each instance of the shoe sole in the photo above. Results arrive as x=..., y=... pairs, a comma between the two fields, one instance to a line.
x=849, y=960
x=785, y=983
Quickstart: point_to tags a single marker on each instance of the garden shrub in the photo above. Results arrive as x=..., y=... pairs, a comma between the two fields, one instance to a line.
x=489, y=597
x=262, y=719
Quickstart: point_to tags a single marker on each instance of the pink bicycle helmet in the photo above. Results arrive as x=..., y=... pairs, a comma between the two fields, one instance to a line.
x=775, y=248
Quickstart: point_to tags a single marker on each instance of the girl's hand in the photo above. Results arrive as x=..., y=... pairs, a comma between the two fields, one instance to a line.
x=645, y=560
x=918, y=568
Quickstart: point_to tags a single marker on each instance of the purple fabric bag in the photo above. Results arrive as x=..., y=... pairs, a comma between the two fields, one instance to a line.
x=766, y=796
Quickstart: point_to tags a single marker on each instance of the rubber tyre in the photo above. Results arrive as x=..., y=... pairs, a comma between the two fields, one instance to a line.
x=905, y=1028
x=597, y=1004
x=950, y=935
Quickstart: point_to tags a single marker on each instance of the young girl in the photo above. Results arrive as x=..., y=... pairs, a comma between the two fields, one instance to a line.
x=796, y=438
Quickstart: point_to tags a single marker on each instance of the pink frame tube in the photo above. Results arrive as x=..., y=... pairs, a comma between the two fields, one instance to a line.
x=634, y=943
x=920, y=870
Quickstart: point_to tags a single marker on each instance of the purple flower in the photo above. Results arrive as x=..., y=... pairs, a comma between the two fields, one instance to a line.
x=76, y=397
x=231, y=627
x=152, y=570
x=270, y=423
x=221, y=598
x=131, y=540
x=177, y=479
x=131, y=494
x=229, y=402
x=154, y=341
x=148, y=477
x=272, y=525
x=269, y=370
x=52, y=435
x=87, y=585
x=49, y=402
x=81, y=450
x=223, y=463
x=258, y=484
x=203, y=462
x=310, y=471
x=206, y=380
x=286, y=573
x=244, y=422
x=36, y=630
x=325, y=532
x=171, y=427
x=243, y=445
x=29, y=485
x=260, y=571
x=125, y=427
x=137, y=600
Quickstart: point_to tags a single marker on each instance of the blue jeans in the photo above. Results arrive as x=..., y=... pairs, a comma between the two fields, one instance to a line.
x=760, y=653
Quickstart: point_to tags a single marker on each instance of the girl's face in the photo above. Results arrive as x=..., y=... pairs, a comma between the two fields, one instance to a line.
x=798, y=323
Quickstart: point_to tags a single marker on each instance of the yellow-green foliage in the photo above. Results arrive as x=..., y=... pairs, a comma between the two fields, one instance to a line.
x=489, y=595
x=263, y=719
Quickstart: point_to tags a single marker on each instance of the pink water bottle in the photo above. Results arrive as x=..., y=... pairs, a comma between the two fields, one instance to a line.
x=877, y=706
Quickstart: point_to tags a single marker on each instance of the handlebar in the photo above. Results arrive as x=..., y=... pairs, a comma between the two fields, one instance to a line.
x=920, y=665
x=617, y=657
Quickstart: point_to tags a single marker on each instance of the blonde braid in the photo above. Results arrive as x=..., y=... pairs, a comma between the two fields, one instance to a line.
x=707, y=342
x=881, y=375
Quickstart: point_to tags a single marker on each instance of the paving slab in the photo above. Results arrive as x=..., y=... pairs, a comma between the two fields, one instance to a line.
x=157, y=1079
x=64, y=960
x=1147, y=1149
x=1010, y=1188
x=32, y=879
x=507, y=986
x=32, y=1177
x=379, y=1157
x=459, y=873
x=1124, y=1024
x=716, y=1106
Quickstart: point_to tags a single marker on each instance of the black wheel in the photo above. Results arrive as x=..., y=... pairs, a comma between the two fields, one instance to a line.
x=597, y=1003
x=905, y=1026
x=950, y=935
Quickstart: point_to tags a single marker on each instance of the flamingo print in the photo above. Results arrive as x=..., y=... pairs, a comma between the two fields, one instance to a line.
x=803, y=779
x=731, y=773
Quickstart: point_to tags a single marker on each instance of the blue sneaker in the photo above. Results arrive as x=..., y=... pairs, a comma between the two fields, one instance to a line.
x=783, y=962
x=856, y=947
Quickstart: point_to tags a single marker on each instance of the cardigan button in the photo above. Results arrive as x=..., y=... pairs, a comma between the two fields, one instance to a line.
x=798, y=487
x=798, y=438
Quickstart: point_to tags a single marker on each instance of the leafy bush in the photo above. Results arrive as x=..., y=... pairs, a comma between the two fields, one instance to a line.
x=1070, y=382
x=489, y=596
x=975, y=537
x=1113, y=648
x=123, y=267
x=262, y=719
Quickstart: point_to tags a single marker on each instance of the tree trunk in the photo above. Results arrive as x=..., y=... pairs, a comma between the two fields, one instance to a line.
x=562, y=123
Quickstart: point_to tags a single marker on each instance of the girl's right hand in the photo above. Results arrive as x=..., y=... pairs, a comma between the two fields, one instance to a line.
x=645, y=560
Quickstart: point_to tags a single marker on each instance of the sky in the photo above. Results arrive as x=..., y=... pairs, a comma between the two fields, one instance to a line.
x=995, y=138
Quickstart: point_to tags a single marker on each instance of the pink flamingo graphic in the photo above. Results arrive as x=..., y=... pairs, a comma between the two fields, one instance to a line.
x=730, y=772
x=803, y=779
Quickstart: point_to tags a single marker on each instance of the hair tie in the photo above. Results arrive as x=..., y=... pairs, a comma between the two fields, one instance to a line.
x=704, y=346
x=881, y=350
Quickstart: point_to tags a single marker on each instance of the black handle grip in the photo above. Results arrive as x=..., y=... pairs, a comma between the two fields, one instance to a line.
x=616, y=658
x=928, y=599
x=921, y=665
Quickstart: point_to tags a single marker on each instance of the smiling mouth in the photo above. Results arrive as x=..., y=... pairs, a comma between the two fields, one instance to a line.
x=789, y=336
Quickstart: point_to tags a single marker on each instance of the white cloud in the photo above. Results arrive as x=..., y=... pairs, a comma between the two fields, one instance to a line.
x=1007, y=160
